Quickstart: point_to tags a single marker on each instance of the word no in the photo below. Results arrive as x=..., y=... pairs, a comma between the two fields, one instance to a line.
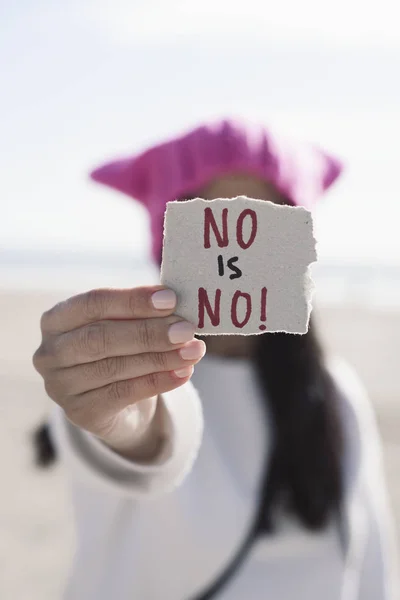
x=222, y=239
x=213, y=309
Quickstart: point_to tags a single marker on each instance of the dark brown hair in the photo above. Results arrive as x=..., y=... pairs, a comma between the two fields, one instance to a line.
x=304, y=471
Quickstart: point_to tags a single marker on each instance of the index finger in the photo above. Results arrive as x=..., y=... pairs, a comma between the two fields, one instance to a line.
x=97, y=305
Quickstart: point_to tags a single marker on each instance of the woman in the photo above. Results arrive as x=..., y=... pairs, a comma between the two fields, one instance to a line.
x=281, y=495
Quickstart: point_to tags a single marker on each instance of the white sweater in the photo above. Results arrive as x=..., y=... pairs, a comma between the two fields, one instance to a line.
x=165, y=531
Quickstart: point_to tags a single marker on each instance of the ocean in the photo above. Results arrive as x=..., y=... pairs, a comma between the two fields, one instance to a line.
x=370, y=285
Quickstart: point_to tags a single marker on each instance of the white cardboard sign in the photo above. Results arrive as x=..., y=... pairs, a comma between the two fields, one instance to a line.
x=239, y=266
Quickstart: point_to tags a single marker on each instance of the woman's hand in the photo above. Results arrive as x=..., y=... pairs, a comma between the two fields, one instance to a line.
x=107, y=355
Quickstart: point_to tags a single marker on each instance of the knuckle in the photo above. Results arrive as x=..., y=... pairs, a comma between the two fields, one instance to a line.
x=160, y=361
x=146, y=334
x=95, y=304
x=45, y=320
x=44, y=356
x=121, y=390
x=93, y=340
x=53, y=316
x=108, y=368
x=39, y=358
x=65, y=382
x=133, y=301
x=151, y=382
x=52, y=389
x=58, y=386
x=57, y=349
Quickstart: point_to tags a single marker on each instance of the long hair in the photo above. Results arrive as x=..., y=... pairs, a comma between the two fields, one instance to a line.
x=304, y=470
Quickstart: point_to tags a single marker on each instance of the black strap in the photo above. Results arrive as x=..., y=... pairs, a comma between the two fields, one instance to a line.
x=258, y=526
x=231, y=569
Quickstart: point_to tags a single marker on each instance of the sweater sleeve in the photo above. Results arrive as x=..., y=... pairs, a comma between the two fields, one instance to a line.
x=87, y=459
x=378, y=570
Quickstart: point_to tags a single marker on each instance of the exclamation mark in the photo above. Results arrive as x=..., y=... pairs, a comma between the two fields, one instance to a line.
x=263, y=316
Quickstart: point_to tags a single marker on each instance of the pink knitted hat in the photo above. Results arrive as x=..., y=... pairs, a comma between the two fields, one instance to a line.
x=185, y=164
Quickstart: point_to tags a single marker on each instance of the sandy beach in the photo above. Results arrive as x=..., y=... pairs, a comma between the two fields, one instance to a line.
x=35, y=521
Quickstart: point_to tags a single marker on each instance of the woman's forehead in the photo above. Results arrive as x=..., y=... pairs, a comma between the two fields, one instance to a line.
x=229, y=186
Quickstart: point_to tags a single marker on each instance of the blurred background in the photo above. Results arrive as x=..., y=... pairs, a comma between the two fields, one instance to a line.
x=89, y=80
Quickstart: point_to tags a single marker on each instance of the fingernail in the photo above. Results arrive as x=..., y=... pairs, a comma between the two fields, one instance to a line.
x=164, y=299
x=193, y=351
x=185, y=372
x=181, y=332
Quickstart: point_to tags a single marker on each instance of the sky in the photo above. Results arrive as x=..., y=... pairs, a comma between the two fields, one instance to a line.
x=90, y=80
